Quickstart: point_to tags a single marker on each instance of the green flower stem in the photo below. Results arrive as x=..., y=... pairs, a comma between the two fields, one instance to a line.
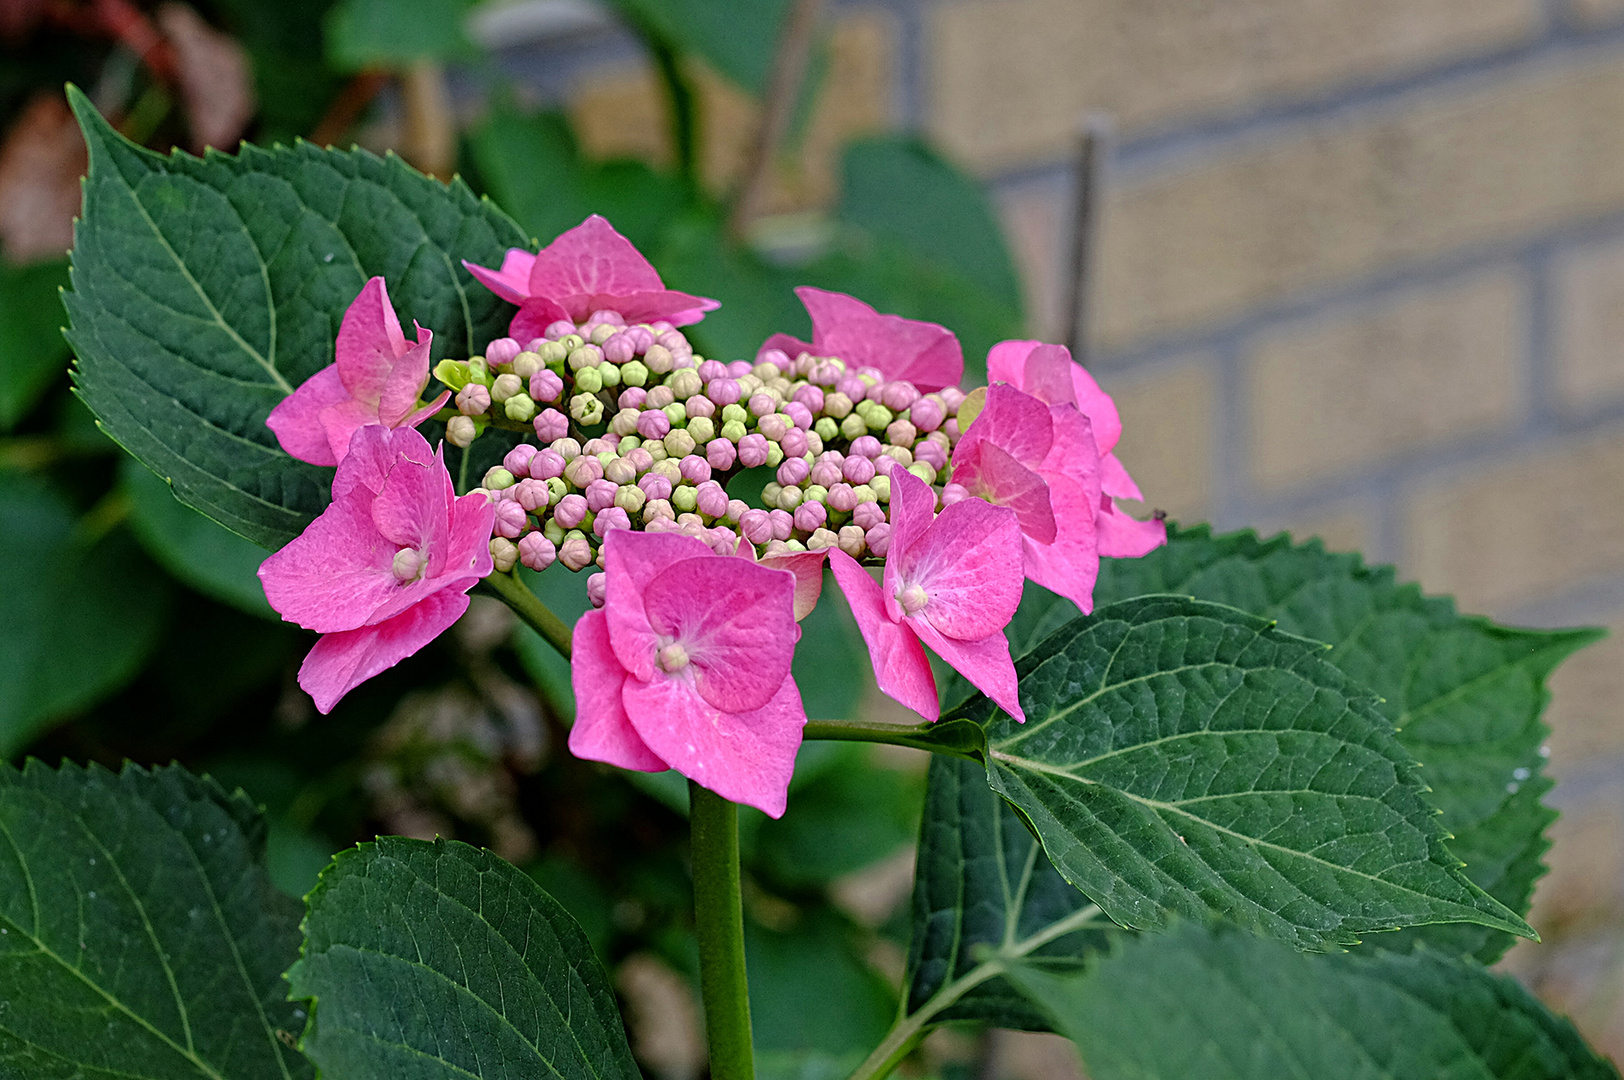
x=719, y=921
x=907, y=1032
x=517, y=595
x=926, y=736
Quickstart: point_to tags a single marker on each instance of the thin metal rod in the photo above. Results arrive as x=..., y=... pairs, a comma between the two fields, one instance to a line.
x=1093, y=147
x=790, y=61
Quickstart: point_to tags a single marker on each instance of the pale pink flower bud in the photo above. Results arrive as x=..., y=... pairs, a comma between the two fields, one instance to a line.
x=640, y=458
x=641, y=338
x=658, y=512
x=473, y=399
x=583, y=470
x=900, y=433
x=735, y=510
x=586, y=356
x=878, y=539
x=927, y=414
x=722, y=540
x=460, y=431
x=950, y=428
x=953, y=493
x=866, y=515
x=712, y=369
x=810, y=397
x=793, y=471
x=551, y=425
x=597, y=588
x=783, y=524
x=931, y=454
x=536, y=551
x=883, y=464
x=570, y=512
x=695, y=469
x=825, y=374
x=620, y=471
x=673, y=340
x=712, y=499
x=721, y=454
x=655, y=486
x=809, y=516
x=633, y=397
x=777, y=357
x=865, y=446
x=898, y=396
x=841, y=498
x=825, y=474
x=854, y=388
x=692, y=524
x=653, y=424
x=857, y=469
x=609, y=519
x=502, y=351
x=698, y=406
x=560, y=329
x=600, y=494
x=532, y=494
x=517, y=460
x=774, y=426
x=659, y=359
x=798, y=414
x=952, y=397
x=851, y=540
x=776, y=547
x=761, y=405
x=724, y=390
x=575, y=552
x=794, y=442
x=618, y=348
x=504, y=554
x=546, y=463
x=510, y=519
x=753, y=450
x=685, y=384
x=756, y=526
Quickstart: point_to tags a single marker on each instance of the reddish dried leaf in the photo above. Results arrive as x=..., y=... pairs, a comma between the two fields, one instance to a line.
x=216, y=79
x=40, y=165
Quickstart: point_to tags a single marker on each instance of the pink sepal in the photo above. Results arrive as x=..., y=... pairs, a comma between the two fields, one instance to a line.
x=603, y=731
x=340, y=662
x=296, y=420
x=984, y=661
x=900, y=667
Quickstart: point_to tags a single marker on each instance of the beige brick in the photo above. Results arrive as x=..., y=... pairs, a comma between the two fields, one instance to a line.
x=1520, y=530
x=1418, y=179
x=1589, y=303
x=1344, y=526
x=1011, y=78
x=1167, y=434
x=1587, y=704
x=622, y=112
x=1332, y=396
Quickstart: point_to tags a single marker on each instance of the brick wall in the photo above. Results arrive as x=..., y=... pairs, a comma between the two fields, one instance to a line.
x=1360, y=275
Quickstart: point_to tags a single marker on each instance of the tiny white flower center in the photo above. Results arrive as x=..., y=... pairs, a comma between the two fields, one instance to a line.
x=672, y=658
x=912, y=598
x=409, y=565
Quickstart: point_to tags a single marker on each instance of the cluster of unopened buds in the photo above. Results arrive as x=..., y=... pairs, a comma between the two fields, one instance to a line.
x=859, y=447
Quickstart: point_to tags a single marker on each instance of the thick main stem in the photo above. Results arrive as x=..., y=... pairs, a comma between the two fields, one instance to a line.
x=719, y=922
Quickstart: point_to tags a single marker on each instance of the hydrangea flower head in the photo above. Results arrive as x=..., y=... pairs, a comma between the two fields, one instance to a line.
x=687, y=667
x=1048, y=373
x=952, y=581
x=387, y=566
x=906, y=350
x=1042, y=463
x=588, y=269
x=376, y=379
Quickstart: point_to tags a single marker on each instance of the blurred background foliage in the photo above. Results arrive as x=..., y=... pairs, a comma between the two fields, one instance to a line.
x=135, y=628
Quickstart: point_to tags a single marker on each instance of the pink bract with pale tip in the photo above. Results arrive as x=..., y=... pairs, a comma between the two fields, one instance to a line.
x=687, y=667
x=376, y=379
x=387, y=566
x=590, y=268
x=1048, y=373
x=922, y=353
x=1042, y=463
x=952, y=581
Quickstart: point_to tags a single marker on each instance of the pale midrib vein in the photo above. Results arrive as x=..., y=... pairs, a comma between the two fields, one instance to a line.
x=22, y=865
x=1149, y=743
x=1470, y=685
x=42, y=1048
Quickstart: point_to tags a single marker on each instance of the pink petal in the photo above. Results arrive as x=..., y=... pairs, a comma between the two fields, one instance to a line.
x=535, y=315
x=592, y=258
x=343, y=420
x=406, y=380
x=426, y=412
x=922, y=353
x=372, y=452
x=1006, y=362
x=369, y=341
x=807, y=566
x=341, y=662
x=1048, y=375
x=512, y=281
x=1115, y=481
x=969, y=564
x=985, y=662
x=1123, y=537
x=790, y=345
x=900, y=666
x=337, y=573
x=414, y=508
x=603, y=731
x=638, y=307
x=1016, y=421
x=747, y=757
x=296, y=420
x=1043, y=371
x=632, y=561
x=468, y=547
x=1070, y=564
x=991, y=474
x=913, y=507
x=1099, y=407
x=690, y=316
x=736, y=621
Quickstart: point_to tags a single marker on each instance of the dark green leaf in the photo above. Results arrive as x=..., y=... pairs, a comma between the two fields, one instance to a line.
x=1465, y=694
x=1184, y=758
x=33, y=353
x=736, y=38
x=898, y=188
x=80, y=614
x=1218, y=1004
x=139, y=934
x=206, y=556
x=204, y=291
x=394, y=33
x=441, y=960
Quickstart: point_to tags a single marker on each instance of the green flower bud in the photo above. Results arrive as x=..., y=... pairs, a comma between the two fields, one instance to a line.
x=634, y=373
x=659, y=359
x=586, y=409
x=733, y=430
x=677, y=413
x=791, y=497
x=837, y=405
x=685, y=499
x=735, y=413
x=770, y=492
x=882, y=488
x=816, y=493
x=869, y=380
x=628, y=443
x=602, y=333
x=610, y=373
x=553, y=530
x=656, y=450
x=497, y=478
x=557, y=488
x=853, y=426
x=520, y=407
x=879, y=418
x=461, y=431
x=526, y=364
x=794, y=545
x=478, y=370
x=899, y=453
x=630, y=498
x=685, y=383
x=571, y=342
x=588, y=381
x=865, y=493
x=605, y=457
x=582, y=358
x=553, y=353
x=825, y=428
x=454, y=373
x=924, y=470
x=666, y=467
x=505, y=386
x=775, y=455
x=678, y=443
x=504, y=554
x=703, y=429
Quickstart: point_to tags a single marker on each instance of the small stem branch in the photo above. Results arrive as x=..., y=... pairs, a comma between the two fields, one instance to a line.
x=719, y=922
x=917, y=736
x=788, y=72
x=684, y=111
x=525, y=604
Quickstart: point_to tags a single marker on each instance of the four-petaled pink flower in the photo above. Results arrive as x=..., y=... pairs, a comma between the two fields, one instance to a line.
x=589, y=268
x=376, y=379
x=952, y=582
x=686, y=667
x=1041, y=462
x=1048, y=373
x=905, y=350
x=387, y=566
